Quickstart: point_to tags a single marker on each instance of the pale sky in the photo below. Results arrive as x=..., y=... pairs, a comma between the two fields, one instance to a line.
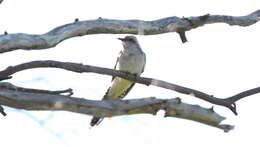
x=219, y=59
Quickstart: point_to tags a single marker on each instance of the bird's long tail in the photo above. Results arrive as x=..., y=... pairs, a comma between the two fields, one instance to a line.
x=96, y=121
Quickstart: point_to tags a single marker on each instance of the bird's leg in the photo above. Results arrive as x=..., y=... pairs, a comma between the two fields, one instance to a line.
x=127, y=72
x=136, y=76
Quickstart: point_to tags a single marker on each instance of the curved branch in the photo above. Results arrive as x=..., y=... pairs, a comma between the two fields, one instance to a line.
x=10, y=42
x=173, y=107
x=80, y=68
x=243, y=94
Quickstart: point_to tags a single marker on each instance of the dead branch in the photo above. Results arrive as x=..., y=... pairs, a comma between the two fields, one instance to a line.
x=80, y=68
x=107, y=108
x=10, y=42
x=7, y=85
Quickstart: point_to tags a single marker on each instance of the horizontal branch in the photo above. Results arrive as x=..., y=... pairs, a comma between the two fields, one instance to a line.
x=7, y=85
x=107, y=108
x=80, y=68
x=10, y=42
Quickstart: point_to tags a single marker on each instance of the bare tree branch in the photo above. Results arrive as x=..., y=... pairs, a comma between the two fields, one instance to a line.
x=107, y=108
x=80, y=68
x=10, y=42
x=7, y=85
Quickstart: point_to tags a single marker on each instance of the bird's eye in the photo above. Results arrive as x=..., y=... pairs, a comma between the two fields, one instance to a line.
x=130, y=39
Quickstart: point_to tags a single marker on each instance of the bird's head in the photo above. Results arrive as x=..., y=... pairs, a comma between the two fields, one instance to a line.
x=129, y=42
x=131, y=39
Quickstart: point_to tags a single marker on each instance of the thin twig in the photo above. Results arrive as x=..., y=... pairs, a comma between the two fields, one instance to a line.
x=7, y=85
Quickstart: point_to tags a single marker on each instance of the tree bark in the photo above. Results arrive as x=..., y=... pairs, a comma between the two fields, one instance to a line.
x=10, y=42
x=228, y=102
x=35, y=99
x=107, y=108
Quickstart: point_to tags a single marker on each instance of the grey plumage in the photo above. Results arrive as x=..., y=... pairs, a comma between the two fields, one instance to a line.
x=131, y=59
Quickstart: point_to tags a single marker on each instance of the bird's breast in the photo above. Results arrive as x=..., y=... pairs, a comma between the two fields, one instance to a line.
x=132, y=63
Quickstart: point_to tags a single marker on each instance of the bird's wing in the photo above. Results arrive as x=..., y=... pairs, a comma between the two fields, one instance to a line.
x=117, y=61
x=132, y=85
x=105, y=96
x=126, y=91
x=122, y=95
x=144, y=62
x=113, y=77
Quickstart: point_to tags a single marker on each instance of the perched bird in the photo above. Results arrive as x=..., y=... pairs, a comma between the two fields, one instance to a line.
x=132, y=60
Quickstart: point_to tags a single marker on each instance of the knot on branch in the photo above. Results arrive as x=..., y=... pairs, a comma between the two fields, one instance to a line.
x=194, y=22
x=76, y=20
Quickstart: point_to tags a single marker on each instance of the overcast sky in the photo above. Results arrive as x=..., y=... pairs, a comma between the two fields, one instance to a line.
x=218, y=59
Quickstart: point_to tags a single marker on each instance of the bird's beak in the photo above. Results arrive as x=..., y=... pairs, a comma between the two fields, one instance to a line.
x=122, y=39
